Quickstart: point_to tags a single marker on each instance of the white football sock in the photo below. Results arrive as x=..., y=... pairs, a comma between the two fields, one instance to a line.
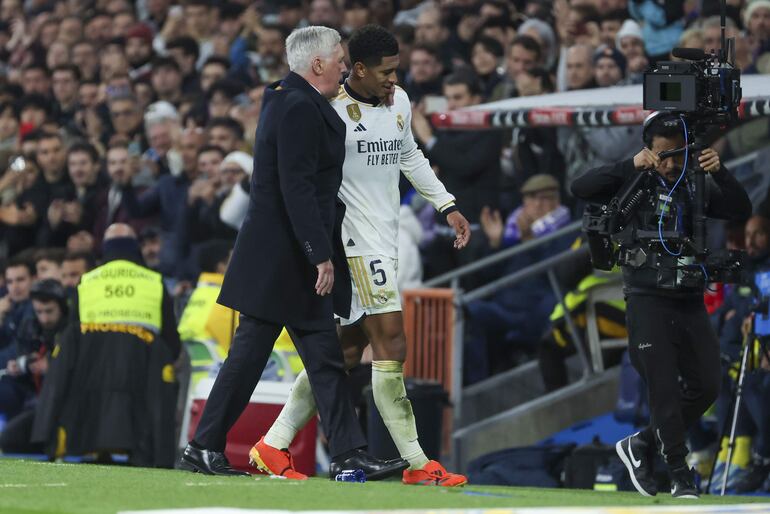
x=396, y=410
x=298, y=410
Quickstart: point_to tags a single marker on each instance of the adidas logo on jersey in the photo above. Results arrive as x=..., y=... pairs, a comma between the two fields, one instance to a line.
x=359, y=128
x=351, y=243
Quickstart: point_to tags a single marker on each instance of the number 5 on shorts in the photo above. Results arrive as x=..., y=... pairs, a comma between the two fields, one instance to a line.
x=377, y=272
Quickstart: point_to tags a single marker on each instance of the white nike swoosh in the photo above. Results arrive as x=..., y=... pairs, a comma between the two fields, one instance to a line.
x=635, y=462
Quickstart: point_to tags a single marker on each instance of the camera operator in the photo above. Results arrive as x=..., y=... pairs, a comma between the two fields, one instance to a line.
x=669, y=331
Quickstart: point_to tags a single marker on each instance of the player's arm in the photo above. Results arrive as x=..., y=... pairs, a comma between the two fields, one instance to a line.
x=417, y=170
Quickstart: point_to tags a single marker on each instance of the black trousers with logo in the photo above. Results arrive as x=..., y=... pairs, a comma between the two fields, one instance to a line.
x=675, y=349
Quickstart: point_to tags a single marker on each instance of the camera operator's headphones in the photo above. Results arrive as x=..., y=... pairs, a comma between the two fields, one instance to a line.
x=662, y=118
x=49, y=290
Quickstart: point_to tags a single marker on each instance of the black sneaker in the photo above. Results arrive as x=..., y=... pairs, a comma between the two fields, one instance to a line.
x=637, y=457
x=683, y=483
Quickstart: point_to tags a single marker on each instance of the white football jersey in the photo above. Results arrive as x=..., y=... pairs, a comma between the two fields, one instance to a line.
x=378, y=145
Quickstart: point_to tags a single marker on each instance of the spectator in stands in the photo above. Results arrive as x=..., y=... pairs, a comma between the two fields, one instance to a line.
x=222, y=97
x=133, y=355
x=662, y=24
x=524, y=55
x=36, y=79
x=77, y=209
x=541, y=213
x=209, y=159
x=139, y=52
x=126, y=121
x=425, y=69
x=468, y=163
x=271, y=65
x=576, y=24
x=756, y=19
x=66, y=79
x=167, y=80
x=580, y=68
x=486, y=56
x=15, y=307
x=610, y=26
x=51, y=156
x=326, y=13
x=750, y=466
x=506, y=326
x=167, y=200
x=629, y=41
x=226, y=133
x=34, y=343
x=74, y=266
x=204, y=200
x=609, y=67
x=150, y=244
x=533, y=150
x=85, y=57
x=9, y=127
x=545, y=37
x=214, y=69
x=162, y=126
x=48, y=263
x=430, y=31
x=184, y=51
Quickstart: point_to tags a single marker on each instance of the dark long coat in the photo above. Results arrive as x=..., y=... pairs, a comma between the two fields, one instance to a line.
x=294, y=217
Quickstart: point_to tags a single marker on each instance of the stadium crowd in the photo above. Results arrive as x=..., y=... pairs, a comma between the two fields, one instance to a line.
x=144, y=112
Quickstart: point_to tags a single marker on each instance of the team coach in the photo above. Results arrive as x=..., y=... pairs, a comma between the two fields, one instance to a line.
x=288, y=259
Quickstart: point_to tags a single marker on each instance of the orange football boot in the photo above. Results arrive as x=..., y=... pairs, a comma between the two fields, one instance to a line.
x=433, y=473
x=273, y=461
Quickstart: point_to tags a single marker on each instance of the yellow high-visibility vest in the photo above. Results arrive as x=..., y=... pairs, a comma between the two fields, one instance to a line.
x=121, y=292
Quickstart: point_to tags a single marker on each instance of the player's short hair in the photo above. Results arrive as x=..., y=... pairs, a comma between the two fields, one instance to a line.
x=369, y=44
x=304, y=44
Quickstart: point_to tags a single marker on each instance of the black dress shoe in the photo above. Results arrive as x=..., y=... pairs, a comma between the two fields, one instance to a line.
x=375, y=469
x=207, y=462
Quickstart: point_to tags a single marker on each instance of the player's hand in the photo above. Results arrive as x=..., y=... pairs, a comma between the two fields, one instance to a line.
x=461, y=227
x=709, y=161
x=646, y=160
x=323, y=285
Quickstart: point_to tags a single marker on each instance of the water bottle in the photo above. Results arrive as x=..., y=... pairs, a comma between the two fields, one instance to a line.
x=351, y=475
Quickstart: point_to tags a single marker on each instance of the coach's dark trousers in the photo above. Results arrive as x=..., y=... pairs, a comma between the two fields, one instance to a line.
x=674, y=348
x=250, y=350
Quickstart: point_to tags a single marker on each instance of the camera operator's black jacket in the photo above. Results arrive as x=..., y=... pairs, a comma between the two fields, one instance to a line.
x=725, y=199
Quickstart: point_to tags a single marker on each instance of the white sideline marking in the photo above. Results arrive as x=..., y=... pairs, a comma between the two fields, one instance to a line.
x=705, y=509
x=20, y=486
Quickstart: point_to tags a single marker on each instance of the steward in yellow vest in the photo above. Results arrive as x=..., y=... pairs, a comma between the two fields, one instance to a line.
x=203, y=319
x=112, y=385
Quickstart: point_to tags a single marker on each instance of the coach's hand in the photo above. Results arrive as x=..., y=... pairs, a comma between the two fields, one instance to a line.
x=323, y=285
x=462, y=228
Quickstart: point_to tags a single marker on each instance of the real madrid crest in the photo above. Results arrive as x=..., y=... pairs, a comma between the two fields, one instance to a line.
x=354, y=112
x=400, y=122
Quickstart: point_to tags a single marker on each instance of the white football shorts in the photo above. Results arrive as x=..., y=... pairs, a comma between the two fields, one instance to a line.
x=375, y=288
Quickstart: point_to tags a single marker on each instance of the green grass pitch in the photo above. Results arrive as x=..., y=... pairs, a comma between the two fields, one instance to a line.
x=39, y=487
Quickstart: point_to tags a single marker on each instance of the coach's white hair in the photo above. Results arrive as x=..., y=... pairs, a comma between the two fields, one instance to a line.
x=306, y=43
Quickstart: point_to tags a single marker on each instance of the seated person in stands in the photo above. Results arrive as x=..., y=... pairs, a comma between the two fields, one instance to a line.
x=35, y=340
x=15, y=308
x=506, y=327
x=751, y=459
